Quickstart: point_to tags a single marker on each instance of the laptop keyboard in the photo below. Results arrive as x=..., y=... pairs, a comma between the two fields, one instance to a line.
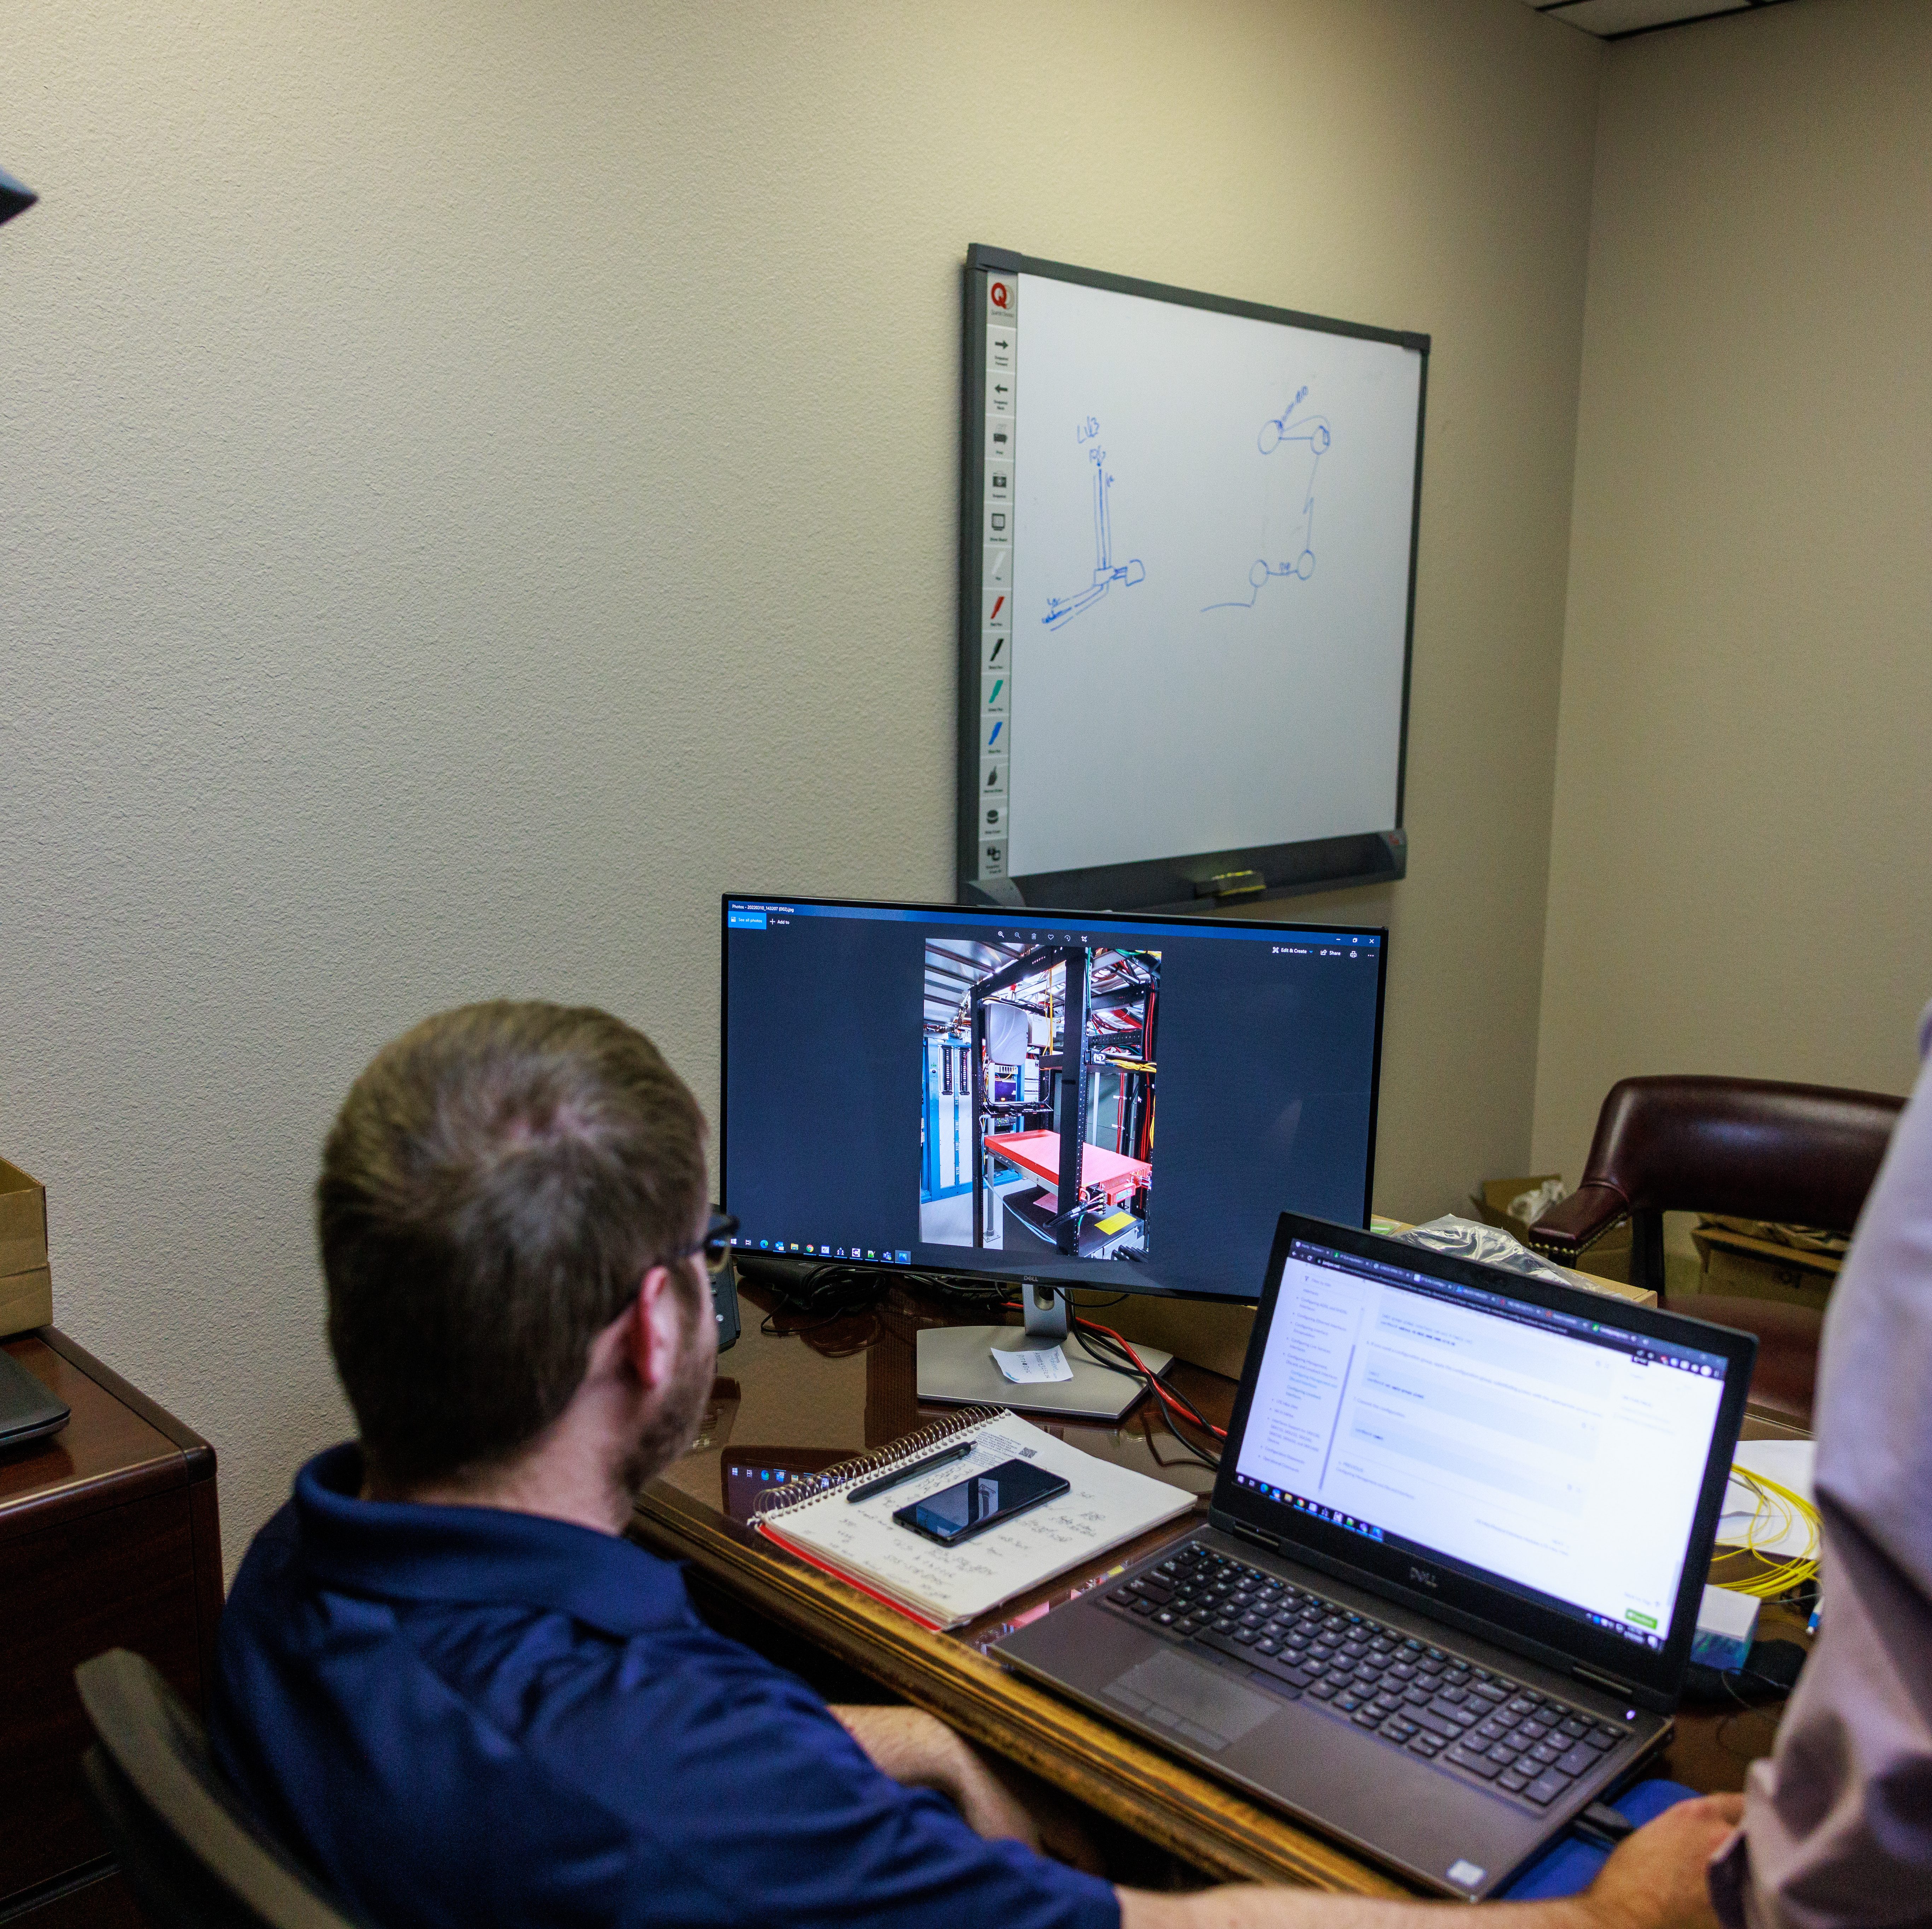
x=1409, y=1694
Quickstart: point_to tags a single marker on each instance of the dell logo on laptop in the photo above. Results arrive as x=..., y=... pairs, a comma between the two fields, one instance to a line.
x=1422, y=1577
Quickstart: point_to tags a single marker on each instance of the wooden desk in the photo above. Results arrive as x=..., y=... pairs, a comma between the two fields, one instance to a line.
x=841, y=1386
x=109, y=1538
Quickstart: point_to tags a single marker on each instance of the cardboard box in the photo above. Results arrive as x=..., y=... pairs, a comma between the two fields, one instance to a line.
x=1609, y=1258
x=26, y=1285
x=1763, y=1269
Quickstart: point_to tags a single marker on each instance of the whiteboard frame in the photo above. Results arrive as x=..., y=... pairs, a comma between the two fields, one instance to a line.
x=1198, y=881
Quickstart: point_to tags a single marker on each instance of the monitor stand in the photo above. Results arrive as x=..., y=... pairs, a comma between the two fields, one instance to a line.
x=955, y=1365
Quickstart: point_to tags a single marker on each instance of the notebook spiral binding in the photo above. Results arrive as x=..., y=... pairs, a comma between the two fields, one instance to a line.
x=795, y=1493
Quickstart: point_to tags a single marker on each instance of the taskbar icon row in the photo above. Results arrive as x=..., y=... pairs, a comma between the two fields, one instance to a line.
x=1302, y=1505
x=812, y=1250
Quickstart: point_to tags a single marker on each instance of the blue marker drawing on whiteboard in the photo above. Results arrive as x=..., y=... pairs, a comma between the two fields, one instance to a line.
x=1106, y=572
x=1288, y=504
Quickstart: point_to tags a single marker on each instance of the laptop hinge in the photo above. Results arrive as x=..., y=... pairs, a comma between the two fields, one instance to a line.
x=1272, y=1542
x=1578, y=1672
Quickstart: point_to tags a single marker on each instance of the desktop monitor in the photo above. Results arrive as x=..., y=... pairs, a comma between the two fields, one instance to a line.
x=1126, y=1103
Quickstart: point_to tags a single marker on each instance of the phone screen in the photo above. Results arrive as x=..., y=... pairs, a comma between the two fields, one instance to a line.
x=969, y=1506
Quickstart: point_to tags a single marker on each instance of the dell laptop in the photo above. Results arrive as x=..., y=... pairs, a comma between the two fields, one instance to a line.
x=1452, y=1563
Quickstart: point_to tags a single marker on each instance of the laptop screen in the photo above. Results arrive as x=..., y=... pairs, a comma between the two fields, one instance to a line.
x=1559, y=1455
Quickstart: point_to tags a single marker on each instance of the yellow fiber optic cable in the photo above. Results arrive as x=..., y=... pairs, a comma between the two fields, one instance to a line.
x=1779, y=1510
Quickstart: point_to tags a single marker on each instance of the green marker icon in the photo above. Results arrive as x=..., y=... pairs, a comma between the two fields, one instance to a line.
x=999, y=684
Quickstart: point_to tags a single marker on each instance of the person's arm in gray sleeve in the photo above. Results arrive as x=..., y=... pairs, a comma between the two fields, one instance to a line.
x=1837, y=1828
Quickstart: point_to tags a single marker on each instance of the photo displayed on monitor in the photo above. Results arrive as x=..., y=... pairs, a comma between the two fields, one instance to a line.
x=1005, y=1007
x=1067, y=1062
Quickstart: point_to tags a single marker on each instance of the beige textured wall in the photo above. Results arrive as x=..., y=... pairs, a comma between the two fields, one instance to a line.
x=1744, y=792
x=480, y=480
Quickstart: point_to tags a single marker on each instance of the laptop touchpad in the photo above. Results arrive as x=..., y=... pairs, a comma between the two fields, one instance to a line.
x=1196, y=1701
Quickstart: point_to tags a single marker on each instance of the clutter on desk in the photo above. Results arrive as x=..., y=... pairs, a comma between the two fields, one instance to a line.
x=1031, y=1365
x=1516, y=1204
x=1770, y=1539
x=1491, y=1245
x=26, y=1280
x=939, y=1587
x=1752, y=1258
x=1726, y=1626
x=1770, y=1671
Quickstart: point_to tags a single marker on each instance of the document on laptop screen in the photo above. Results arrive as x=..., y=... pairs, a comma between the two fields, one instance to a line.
x=1566, y=1463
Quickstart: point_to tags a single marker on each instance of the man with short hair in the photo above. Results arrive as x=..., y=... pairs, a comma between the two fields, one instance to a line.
x=448, y=1681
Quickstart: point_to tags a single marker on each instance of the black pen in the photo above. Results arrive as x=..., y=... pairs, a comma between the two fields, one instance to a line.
x=865, y=1489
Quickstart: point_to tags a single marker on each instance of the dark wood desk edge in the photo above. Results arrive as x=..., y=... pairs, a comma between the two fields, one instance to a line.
x=1203, y=1821
x=198, y=1455
x=196, y=1467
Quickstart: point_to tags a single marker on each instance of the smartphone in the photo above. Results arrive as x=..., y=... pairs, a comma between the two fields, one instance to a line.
x=970, y=1506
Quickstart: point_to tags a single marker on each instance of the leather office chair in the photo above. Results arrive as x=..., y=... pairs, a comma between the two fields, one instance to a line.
x=193, y=1857
x=1748, y=1148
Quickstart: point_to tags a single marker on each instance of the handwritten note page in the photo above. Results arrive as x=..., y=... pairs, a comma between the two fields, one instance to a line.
x=1106, y=1506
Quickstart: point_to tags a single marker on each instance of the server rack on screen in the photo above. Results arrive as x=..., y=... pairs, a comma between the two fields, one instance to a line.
x=1040, y=1069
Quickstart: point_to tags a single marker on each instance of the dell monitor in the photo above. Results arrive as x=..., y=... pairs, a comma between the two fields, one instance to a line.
x=1063, y=1100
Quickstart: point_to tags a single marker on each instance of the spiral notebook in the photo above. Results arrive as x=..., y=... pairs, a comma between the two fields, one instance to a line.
x=946, y=1587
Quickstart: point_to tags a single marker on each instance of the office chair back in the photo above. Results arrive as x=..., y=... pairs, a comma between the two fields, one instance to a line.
x=1748, y=1148
x=191, y=1853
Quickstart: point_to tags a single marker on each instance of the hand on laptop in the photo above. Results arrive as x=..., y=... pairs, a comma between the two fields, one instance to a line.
x=1658, y=1878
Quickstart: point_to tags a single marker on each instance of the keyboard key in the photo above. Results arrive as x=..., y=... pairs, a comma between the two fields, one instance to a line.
x=1247, y=1636
x=1546, y=1752
x=1295, y=1678
x=1574, y=1727
x=1503, y=1755
x=1449, y=1712
x=1449, y=1731
x=1609, y=1735
x=1492, y=1729
x=1425, y=1744
x=1545, y=1789
x=1350, y=1702
x=1579, y=1761
x=1322, y=1690
x=1397, y=1729
x=1599, y=1740
x=1513, y=1782
x=1143, y=1607
x=1472, y=1763
x=1523, y=1705
x=1532, y=1729
x=1368, y=1717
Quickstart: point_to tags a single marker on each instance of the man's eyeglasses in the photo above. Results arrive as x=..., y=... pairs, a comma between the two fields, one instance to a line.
x=716, y=1243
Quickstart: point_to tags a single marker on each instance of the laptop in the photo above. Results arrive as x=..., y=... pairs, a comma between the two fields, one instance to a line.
x=1452, y=1566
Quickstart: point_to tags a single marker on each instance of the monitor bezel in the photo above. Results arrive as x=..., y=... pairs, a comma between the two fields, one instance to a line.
x=1108, y=1281
x=1652, y=1678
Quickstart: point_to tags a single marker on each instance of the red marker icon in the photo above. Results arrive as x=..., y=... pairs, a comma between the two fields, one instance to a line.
x=999, y=604
x=999, y=296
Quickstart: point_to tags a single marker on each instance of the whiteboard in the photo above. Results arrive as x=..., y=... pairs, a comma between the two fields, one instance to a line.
x=1202, y=518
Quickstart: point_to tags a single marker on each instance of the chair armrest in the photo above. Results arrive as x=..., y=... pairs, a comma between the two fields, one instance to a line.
x=1579, y=1221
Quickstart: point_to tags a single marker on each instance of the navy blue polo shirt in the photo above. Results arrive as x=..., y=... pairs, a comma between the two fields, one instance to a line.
x=463, y=1717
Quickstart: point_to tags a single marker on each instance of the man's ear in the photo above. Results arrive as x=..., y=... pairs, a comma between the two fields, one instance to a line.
x=653, y=1328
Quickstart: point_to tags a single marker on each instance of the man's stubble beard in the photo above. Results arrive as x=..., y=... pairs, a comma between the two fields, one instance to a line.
x=673, y=1425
